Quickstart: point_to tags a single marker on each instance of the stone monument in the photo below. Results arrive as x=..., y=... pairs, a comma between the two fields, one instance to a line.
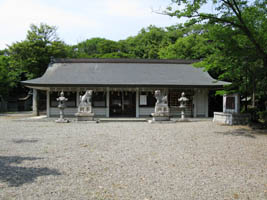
x=231, y=111
x=162, y=111
x=61, y=105
x=182, y=106
x=85, y=112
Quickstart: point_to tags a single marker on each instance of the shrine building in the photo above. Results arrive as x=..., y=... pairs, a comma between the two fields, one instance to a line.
x=124, y=87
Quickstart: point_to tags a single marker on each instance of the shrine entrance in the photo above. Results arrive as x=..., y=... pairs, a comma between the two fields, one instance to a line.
x=122, y=104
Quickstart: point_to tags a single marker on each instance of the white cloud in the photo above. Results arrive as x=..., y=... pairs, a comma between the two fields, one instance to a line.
x=16, y=17
x=78, y=20
x=127, y=8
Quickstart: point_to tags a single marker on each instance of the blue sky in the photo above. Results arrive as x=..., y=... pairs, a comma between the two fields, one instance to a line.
x=78, y=20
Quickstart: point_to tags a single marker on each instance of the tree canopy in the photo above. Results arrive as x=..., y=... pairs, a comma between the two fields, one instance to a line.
x=30, y=58
x=237, y=39
x=230, y=41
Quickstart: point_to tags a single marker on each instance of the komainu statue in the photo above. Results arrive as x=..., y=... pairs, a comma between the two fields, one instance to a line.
x=86, y=102
x=162, y=103
x=85, y=111
x=162, y=112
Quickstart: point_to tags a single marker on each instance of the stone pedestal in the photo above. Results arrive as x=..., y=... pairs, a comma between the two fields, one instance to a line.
x=61, y=120
x=231, y=118
x=231, y=114
x=85, y=116
x=164, y=116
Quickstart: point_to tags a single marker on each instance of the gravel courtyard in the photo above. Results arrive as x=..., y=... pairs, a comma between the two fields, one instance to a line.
x=131, y=160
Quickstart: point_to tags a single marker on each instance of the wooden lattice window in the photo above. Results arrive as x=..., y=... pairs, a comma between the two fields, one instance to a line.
x=70, y=95
x=99, y=99
x=174, y=95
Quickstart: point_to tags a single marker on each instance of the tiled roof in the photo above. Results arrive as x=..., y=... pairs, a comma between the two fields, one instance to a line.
x=123, y=72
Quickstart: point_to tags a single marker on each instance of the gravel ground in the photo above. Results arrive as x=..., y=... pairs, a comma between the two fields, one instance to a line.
x=131, y=160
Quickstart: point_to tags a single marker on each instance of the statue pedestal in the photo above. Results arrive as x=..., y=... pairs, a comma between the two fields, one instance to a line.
x=85, y=116
x=160, y=117
x=62, y=121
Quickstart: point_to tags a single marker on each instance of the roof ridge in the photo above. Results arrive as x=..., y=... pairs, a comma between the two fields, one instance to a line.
x=122, y=60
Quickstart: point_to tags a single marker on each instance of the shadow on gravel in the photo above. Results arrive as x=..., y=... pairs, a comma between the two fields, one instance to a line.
x=19, y=141
x=239, y=132
x=16, y=176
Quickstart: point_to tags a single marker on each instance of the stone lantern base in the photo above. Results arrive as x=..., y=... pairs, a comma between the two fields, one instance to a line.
x=85, y=116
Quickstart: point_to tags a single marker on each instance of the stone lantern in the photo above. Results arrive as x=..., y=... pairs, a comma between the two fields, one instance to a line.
x=61, y=105
x=183, y=101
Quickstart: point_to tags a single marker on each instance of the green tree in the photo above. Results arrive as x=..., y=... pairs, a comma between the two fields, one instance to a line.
x=237, y=14
x=192, y=43
x=147, y=43
x=237, y=35
x=7, y=76
x=100, y=48
x=87, y=48
x=31, y=57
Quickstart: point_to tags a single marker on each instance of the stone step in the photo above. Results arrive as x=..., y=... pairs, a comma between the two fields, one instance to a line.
x=115, y=119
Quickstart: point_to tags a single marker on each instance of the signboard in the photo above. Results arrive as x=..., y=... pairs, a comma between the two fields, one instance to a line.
x=230, y=103
x=143, y=100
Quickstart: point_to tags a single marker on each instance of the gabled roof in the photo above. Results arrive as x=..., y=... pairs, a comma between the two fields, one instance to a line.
x=123, y=72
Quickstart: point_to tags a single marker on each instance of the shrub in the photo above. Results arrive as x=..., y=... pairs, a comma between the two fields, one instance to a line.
x=262, y=116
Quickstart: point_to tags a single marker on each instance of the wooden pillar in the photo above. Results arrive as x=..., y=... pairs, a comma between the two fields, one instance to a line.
x=195, y=103
x=107, y=102
x=137, y=102
x=77, y=99
x=48, y=103
x=35, y=110
x=206, y=102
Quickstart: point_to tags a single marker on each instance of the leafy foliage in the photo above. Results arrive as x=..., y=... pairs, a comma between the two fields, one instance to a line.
x=237, y=31
x=193, y=46
x=30, y=58
x=7, y=76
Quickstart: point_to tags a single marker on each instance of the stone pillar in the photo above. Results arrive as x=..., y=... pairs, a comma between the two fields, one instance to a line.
x=35, y=110
x=48, y=103
x=224, y=103
x=137, y=103
x=107, y=103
